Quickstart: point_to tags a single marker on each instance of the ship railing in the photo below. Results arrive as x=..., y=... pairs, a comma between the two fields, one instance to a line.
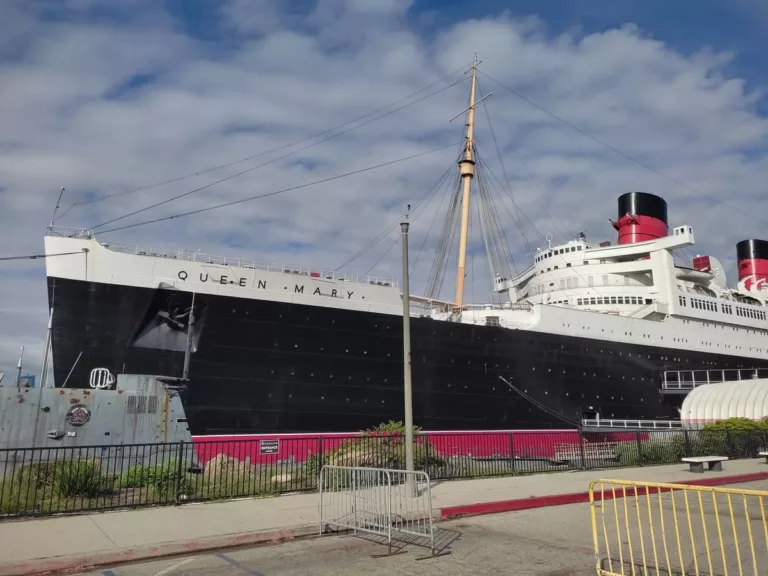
x=632, y=424
x=187, y=256
x=433, y=304
x=673, y=380
x=70, y=232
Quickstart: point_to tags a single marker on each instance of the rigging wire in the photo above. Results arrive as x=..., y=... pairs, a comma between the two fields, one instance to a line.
x=386, y=231
x=517, y=220
x=266, y=152
x=507, y=179
x=415, y=214
x=622, y=153
x=471, y=258
x=230, y=177
x=540, y=405
x=381, y=257
x=36, y=256
x=493, y=232
x=450, y=184
x=437, y=272
x=276, y=192
x=503, y=168
x=484, y=166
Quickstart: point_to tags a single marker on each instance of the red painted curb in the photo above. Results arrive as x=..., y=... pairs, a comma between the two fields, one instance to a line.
x=576, y=497
x=84, y=562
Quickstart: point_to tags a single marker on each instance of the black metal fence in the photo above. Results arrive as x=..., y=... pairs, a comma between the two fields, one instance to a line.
x=43, y=481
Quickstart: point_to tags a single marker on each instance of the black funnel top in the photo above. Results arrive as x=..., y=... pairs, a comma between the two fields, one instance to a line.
x=752, y=249
x=643, y=204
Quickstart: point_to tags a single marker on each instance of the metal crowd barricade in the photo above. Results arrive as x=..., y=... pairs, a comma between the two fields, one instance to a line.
x=647, y=528
x=393, y=504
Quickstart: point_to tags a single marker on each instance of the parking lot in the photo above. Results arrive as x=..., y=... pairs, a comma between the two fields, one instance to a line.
x=543, y=542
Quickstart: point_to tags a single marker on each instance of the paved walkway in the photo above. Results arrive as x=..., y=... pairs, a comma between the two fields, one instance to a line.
x=36, y=545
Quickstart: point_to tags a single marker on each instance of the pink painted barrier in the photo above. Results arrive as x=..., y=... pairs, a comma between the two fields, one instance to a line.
x=535, y=444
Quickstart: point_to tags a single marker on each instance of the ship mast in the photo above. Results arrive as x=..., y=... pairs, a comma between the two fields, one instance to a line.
x=466, y=172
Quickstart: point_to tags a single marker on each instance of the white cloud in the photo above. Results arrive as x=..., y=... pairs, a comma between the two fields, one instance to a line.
x=70, y=118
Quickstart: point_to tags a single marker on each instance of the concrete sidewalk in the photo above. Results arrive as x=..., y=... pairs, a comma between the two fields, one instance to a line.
x=71, y=542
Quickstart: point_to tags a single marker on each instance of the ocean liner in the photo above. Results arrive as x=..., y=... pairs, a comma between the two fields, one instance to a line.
x=586, y=332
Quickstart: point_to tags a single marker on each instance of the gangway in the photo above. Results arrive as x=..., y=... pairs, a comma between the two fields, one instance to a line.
x=683, y=381
x=601, y=423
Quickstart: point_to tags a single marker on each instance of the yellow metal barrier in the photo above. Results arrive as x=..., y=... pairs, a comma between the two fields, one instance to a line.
x=646, y=528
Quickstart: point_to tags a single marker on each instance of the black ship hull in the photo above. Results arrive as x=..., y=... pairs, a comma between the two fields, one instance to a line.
x=269, y=367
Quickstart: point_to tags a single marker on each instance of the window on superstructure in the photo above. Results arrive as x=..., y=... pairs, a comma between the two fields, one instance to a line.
x=579, y=302
x=649, y=301
x=592, y=301
x=613, y=299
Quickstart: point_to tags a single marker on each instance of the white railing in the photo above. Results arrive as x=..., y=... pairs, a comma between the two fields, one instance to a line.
x=187, y=256
x=632, y=424
x=393, y=504
x=69, y=232
x=687, y=380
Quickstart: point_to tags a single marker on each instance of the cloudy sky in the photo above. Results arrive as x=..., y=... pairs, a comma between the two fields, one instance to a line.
x=107, y=97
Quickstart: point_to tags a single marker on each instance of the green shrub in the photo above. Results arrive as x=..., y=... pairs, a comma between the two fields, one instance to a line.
x=165, y=478
x=738, y=425
x=653, y=452
x=82, y=478
x=382, y=446
x=137, y=476
x=40, y=475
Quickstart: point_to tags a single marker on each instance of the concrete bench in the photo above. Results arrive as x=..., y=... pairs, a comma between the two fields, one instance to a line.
x=713, y=463
x=764, y=454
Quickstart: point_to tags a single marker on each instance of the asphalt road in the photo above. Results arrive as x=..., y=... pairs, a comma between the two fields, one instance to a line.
x=544, y=542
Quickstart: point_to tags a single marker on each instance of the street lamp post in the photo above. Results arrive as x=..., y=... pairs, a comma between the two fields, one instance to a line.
x=408, y=387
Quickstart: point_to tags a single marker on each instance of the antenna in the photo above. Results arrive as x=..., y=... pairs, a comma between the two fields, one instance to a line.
x=58, y=203
x=18, y=367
